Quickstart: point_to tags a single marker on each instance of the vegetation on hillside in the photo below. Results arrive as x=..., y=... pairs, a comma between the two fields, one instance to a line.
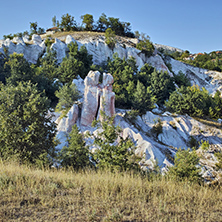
x=211, y=61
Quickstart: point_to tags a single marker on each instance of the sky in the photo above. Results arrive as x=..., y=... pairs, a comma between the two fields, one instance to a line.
x=193, y=25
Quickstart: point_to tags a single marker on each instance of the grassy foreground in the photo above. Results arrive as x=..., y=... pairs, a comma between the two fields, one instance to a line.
x=28, y=194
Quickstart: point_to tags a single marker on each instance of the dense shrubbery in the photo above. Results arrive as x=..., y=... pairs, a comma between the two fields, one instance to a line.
x=194, y=101
x=138, y=89
x=211, y=61
x=185, y=166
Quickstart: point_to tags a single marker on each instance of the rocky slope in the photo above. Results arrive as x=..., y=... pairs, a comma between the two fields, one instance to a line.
x=177, y=130
x=125, y=47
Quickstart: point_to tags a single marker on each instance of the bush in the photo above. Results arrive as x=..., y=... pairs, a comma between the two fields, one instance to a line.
x=76, y=153
x=110, y=38
x=185, y=166
x=67, y=95
x=158, y=127
x=113, y=151
x=145, y=46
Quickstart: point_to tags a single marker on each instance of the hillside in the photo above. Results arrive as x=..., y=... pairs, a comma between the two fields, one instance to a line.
x=177, y=130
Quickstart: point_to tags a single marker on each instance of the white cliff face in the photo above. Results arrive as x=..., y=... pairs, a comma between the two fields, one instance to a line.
x=97, y=47
x=211, y=80
x=31, y=52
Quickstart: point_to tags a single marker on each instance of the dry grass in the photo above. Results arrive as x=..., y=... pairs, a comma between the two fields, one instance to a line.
x=46, y=195
x=77, y=35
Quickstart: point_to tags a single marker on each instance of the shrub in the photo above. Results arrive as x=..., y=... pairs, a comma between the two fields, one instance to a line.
x=192, y=142
x=67, y=95
x=110, y=38
x=185, y=166
x=158, y=127
x=113, y=151
x=76, y=153
x=204, y=145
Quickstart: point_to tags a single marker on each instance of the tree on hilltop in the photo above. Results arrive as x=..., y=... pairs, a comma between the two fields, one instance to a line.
x=87, y=19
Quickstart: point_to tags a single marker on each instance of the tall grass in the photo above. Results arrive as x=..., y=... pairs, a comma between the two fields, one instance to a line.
x=28, y=194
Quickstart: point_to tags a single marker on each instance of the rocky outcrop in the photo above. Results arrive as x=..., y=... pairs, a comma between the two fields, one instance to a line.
x=31, y=51
x=97, y=97
x=60, y=48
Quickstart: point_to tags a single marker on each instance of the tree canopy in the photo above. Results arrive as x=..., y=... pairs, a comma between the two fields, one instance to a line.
x=25, y=129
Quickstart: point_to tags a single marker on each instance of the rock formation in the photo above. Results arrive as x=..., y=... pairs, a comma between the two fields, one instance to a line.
x=97, y=97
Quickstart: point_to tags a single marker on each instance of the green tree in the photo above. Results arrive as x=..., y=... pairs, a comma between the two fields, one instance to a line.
x=143, y=100
x=67, y=23
x=190, y=100
x=54, y=21
x=181, y=79
x=116, y=26
x=26, y=130
x=185, y=166
x=18, y=69
x=161, y=85
x=111, y=154
x=87, y=20
x=145, y=45
x=33, y=27
x=69, y=69
x=76, y=153
x=110, y=38
x=215, y=111
x=67, y=95
x=102, y=23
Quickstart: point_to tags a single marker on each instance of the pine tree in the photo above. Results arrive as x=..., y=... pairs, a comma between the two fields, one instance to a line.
x=113, y=151
x=76, y=153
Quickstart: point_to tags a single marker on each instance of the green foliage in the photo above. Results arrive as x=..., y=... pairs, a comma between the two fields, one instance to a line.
x=191, y=100
x=26, y=132
x=143, y=99
x=204, y=145
x=145, y=45
x=87, y=20
x=113, y=151
x=219, y=159
x=157, y=128
x=54, y=21
x=69, y=69
x=110, y=38
x=161, y=85
x=181, y=79
x=18, y=69
x=193, y=143
x=215, y=111
x=76, y=153
x=67, y=95
x=68, y=23
x=185, y=166
x=33, y=28
x=77, y=63
x=132, y=114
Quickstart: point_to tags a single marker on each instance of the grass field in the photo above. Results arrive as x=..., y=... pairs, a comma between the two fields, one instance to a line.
x=28, y=194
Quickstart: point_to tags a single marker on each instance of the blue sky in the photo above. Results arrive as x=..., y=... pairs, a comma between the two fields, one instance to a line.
x=193, y=25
